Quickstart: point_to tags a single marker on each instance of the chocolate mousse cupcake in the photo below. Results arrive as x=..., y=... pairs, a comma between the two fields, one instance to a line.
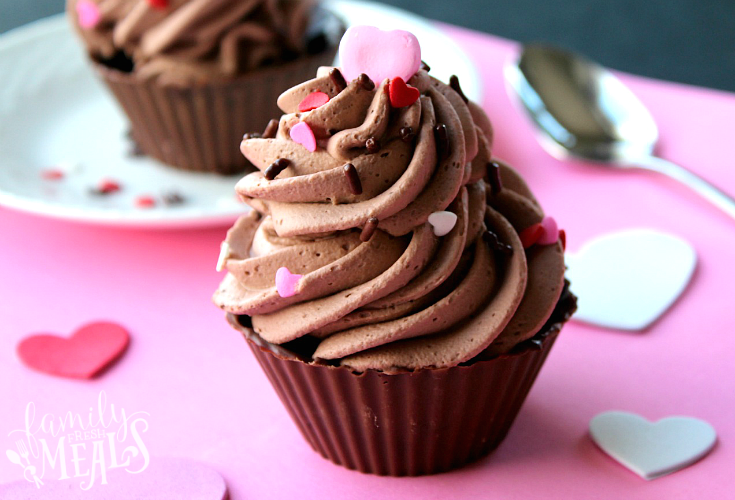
x=399, y=287
x=193, y=74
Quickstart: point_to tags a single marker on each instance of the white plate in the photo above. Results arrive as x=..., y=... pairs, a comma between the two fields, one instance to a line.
x=54, y=114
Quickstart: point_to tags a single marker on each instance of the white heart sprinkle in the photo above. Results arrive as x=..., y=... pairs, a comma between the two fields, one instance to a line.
x=652, y=449
x=443, y=222
x=224, y=254
x=627, y=280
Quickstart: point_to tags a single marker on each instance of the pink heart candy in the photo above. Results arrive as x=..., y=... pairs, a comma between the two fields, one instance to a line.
x=302, y=133
x=551, y=232
x=379, y=54
x=286, y=282
x=88, y=14
x=443, y=222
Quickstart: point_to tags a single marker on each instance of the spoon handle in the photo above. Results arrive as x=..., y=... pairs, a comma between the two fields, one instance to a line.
x=704, y=188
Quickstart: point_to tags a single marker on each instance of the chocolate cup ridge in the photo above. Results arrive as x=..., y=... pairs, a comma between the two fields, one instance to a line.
x=407, y=423
x=199, y=127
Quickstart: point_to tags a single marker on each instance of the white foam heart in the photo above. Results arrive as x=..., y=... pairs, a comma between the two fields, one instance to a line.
x=652, y=449
x=627, y=280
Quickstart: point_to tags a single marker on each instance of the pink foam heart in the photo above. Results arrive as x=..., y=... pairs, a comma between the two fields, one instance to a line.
x=302, y=133
x=286, y=282
x=443, y=222
x=551, y=232
x=379, y=54
x=163, y=478
x=88, y=14
x=85, y=354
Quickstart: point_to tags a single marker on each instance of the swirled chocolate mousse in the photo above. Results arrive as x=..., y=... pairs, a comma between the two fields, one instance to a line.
x=385, y=233
x=180, y=41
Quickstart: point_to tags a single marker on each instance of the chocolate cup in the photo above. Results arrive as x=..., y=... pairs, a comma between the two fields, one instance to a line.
x=200, y=127
x=409, y=423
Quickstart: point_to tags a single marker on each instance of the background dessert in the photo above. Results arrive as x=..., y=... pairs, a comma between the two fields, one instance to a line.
x=392, y=267
x=193, y=74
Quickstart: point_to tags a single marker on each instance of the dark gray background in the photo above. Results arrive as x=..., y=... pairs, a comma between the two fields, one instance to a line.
x=690, y=41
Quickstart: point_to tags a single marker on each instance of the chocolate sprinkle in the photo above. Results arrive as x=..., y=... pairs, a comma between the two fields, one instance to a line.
x=251, y=135
x=172, y=198
x=370, y=226
x=270, y=129
x=495, y=243
x=406, y=134
x=372, y=145
x=454, y=83
x=493, y=177
x=442, y=141
x=425, y=66
x=353, y=178
x=338, y=80
x=276, y=168
x=365, y=81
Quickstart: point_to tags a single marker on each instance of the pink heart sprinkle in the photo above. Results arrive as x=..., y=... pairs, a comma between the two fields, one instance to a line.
x=551, y=232
x=302, y=133
x=286, y=282
x=379, y=54
x=88, y=14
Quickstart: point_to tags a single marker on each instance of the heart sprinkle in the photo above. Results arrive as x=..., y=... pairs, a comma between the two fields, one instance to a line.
x=551, y=232
x=276, y=168
x=158, y=4
x=371, y=225
x=145, y=202
x=454, y=83
x=106, y=187
x=531, y=235
x=88, y=14
x=286, y=282
x=313, y=101
x=401, y=94
x=52, y=174
x=379, y=54
x=302, y=134
x=353, y=179
x=443, y=222
x=224, y=255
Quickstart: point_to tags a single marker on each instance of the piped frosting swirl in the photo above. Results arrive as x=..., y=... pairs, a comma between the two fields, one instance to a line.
x=400, y=297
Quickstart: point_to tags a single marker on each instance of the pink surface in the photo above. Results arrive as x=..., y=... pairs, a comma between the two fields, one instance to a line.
x=208, y=400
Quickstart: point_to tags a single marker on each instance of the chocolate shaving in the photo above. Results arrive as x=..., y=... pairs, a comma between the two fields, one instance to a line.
x=270, y=129
x=406, y=134
x=443, y=149
x=353, y=178
x=372, y=145
x=454, y=83
x=493, y=177
x=276, y=168
x=495, y=243
x=338, y=80
x=365, y=82
x=425, y=66
x=370, y=226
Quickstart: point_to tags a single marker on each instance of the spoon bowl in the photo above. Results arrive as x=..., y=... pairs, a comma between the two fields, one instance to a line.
x=584, y=111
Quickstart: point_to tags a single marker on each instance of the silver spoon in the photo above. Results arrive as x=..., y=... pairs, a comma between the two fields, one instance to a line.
x=584, y=111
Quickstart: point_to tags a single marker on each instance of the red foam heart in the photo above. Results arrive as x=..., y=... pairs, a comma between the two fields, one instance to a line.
x=313, y=101
x=401, y=94
x=88, y=351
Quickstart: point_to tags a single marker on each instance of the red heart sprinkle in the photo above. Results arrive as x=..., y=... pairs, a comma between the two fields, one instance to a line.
x=108, y=187
x=531, y=235
x=52, y=174
x=313, y=101
x=402, y=95
x=145, y=202
x=85, y=354
x=158, y=4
